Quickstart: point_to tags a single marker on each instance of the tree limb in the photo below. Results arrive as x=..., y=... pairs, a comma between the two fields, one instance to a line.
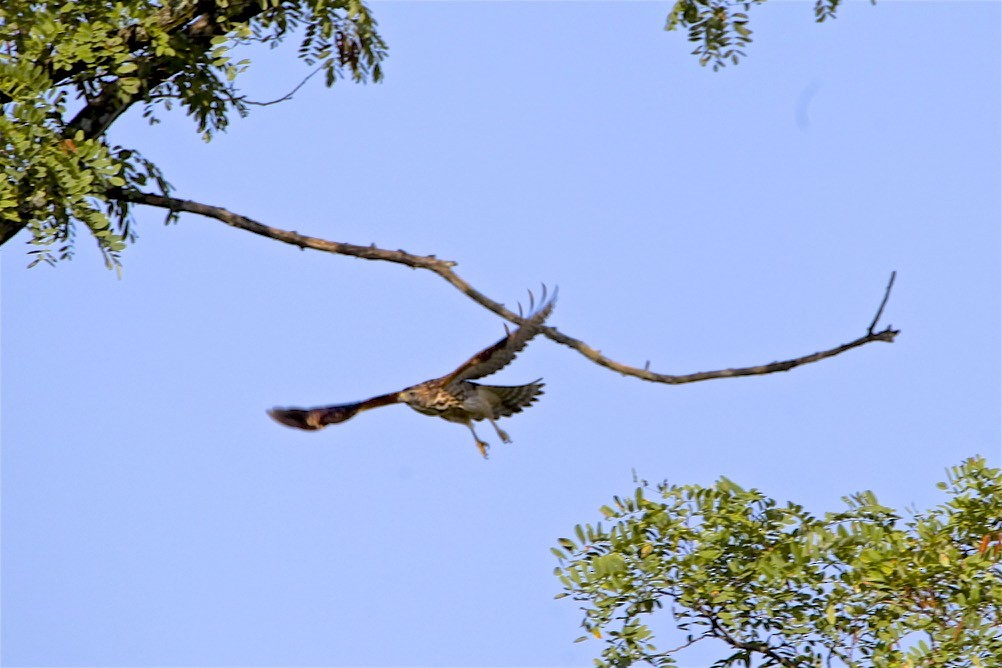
x=444, y=269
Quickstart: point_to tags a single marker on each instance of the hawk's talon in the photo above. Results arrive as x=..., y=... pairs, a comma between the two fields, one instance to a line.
x=483, y=448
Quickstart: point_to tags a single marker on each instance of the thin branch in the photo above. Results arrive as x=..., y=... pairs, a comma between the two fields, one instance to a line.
x=287, y=96
x=880, y=311
x=444, y=268
x=692, y=641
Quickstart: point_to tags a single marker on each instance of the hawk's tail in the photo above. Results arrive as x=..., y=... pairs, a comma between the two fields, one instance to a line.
x=515, y=397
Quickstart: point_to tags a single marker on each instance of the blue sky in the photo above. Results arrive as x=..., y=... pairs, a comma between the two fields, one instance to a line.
x=153, y=515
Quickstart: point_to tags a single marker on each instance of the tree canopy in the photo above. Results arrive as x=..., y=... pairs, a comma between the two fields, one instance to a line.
x=69, y=70
x=776, y=585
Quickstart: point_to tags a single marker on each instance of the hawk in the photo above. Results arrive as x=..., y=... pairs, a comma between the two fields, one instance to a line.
x=454, y=397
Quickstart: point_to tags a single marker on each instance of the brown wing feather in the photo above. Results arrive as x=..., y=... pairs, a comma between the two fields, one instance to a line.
x=493, y=359
x=317, y=418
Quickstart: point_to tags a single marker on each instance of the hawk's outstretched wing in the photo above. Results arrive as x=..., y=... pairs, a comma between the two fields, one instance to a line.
x=493, y=359
x=318, y=418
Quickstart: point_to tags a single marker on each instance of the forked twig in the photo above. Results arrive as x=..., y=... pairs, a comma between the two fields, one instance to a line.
x=880, y=311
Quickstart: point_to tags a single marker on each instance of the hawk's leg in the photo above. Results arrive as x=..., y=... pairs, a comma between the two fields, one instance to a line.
x=482, y=446
x=502, y=434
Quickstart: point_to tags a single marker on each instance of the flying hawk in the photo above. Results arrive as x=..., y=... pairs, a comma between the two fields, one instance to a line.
x=453, y=397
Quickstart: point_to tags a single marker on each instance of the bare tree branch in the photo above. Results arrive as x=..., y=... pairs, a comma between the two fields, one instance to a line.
x=429, y=262
x=444, y=268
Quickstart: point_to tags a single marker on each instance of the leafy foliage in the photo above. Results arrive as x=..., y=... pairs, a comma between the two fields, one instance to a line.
x=777, y=586
x=722, y=34
x=68, y=70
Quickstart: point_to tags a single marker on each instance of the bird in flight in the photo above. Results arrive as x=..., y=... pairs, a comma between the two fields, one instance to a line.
x=453, y=397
